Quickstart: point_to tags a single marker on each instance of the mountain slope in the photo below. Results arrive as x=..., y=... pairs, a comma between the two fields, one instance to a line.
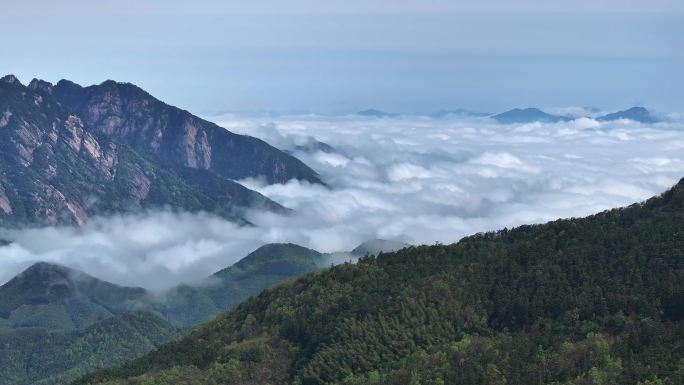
x=55, y=170
x=377, y=246
x=528, y=115
x=58, y=298
x=581, y=301
x=259, y=270
x=637, y=114
x=58, y=323
x=175, y=136
x=48, y=357
x=86, y=321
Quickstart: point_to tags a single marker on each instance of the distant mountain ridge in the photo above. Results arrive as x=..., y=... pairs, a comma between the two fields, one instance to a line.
x=528, y=115
x=637, y=114
x=91, y=151
x=377, y=246
x=373, y=113
x=459, y=112
x=531, y=115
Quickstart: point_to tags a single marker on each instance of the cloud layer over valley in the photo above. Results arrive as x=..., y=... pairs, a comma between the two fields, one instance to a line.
x=411, y=179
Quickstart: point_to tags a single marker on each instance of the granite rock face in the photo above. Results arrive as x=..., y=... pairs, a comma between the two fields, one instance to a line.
x=58, y=168
x=175, y=136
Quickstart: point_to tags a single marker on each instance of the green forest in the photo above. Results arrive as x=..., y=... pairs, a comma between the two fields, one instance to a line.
x=596, y=300
x=57, y=323
x=42, y=356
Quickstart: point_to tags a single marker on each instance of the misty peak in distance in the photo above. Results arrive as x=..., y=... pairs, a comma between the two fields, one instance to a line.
x=528, y=115
x=373, y=113
x=459, y=113
x=637, y=114
x=377, y=246
x=57, y=297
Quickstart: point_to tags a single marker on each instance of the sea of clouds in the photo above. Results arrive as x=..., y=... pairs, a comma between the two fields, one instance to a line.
x=411, y=179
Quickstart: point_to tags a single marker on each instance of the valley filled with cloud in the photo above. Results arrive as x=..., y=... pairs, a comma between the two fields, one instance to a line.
x=411, y=179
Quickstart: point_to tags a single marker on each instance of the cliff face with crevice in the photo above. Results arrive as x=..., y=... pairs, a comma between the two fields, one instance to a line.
x=175, y=136
x=55, y=168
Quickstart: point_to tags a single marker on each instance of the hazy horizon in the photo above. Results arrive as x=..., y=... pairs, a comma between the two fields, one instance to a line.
x=212, y=57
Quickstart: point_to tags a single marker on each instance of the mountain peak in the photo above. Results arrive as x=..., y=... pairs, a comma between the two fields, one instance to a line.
x=528, y=115
x=10, y=79
x=109, y=84
x=46, y=273
x=175, y=136
x=377, y=246
x=278, y=258
x=637, y=114
x=275, y=251
x=459, y=112
x=67, y=83
x=41, y=85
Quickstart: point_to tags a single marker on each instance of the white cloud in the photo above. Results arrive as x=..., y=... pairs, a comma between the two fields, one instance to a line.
x=415, y=180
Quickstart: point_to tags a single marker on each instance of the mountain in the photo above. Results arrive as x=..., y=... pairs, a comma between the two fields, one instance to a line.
x=174, y=136
x=260, y=269
x=637, y=114
x=373, y=113
x=528, y=115
x=52, y=358
x=377, y=246
x=459, y=112
x=313, y=145
x=266, y=266
x=274, y=258
x=596, y=300
x=55, y=169
x=58, y=298
x=57, y=323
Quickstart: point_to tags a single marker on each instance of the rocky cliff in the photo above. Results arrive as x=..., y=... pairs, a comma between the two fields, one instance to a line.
x=57, y=169
x=175, y=136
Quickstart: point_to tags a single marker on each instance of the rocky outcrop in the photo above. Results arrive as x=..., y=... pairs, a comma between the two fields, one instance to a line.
x=175, y=136
x=55, y=169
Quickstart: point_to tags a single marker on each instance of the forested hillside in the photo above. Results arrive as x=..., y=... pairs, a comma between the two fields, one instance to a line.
x=57, y=323
x=598, y=300
x=41, y=356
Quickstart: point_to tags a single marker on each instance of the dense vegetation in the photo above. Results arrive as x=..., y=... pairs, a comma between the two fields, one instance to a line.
x=57, y=298
x=598, y=300
x=85, y=321
x=260, y=269
x=41, y=356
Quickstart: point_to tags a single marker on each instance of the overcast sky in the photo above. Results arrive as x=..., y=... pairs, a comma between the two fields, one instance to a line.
x=341, y=56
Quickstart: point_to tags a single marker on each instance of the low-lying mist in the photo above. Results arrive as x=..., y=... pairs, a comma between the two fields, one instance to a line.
x=410, y=179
